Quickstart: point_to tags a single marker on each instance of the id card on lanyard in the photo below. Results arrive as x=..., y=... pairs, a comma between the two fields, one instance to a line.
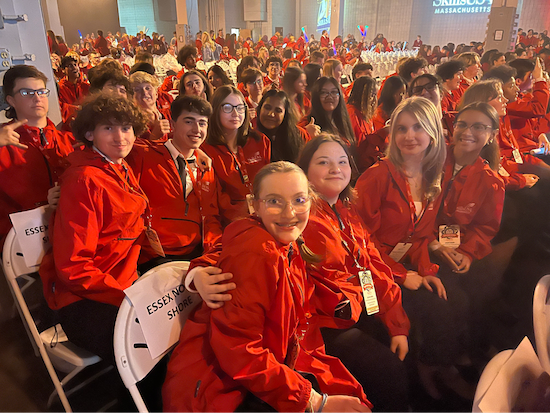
x=245, y=178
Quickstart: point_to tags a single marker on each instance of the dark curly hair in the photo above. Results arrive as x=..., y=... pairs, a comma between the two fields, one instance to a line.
x=107, y=109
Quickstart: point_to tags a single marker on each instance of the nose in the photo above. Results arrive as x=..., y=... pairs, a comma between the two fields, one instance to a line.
x=288, y=211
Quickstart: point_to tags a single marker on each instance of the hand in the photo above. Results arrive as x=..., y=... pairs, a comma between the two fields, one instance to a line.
x=8, y=135
x=413, y=281
x=344, y=404
x=543, y=143
x=531, y=180
x=430, y=280
x=203, y=160
x=207, y=284
x=400, y=346
x=252, y=113
x=447, y=254
x=160, y=127
x=463, y=262
x=537, y=72
x=312, y=129
x=53, y=197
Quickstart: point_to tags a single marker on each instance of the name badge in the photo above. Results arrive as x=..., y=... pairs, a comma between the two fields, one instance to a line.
x=399, y=251
x=369, y=293
x=249, y=203
x=502, y=171
x=517, y=156
x=154, y=241
x=449, y=236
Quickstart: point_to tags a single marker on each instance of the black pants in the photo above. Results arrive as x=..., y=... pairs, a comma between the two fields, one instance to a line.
x=439, y=327
x=380, y=372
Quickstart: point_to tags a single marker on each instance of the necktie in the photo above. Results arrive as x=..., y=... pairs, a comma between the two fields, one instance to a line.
x=183, y=173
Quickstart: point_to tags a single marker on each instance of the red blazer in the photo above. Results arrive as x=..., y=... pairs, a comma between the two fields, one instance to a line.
x=27, y=174
x=526, y=110
x=473, y=199
x=181, y=224
x=224, y=354
x=387, y=209
x=324, y=237
x=95, y=229
x=71, y=96
x=252, y=157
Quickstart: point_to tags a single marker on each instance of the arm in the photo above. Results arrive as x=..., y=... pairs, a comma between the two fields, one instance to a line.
x=532, y=105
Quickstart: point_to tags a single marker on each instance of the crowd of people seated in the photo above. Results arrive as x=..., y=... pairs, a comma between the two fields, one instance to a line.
x=334, y=230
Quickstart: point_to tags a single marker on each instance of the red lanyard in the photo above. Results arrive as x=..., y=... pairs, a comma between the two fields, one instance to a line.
x=301, y=301
x=194, y=181
x=241, y=168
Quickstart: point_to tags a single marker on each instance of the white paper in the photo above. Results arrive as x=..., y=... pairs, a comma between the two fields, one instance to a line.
x=502, y=394
x=31, y=228
x=162, y=305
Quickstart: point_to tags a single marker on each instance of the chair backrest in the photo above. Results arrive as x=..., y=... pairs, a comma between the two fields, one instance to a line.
x=541, y=321
x=132, y=355
x=488, y=376
x=12, y=257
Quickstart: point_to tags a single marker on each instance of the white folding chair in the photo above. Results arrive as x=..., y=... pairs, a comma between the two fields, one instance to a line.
x=541, y=321
x=489, y=373
x=132, y=355
x=52, y=344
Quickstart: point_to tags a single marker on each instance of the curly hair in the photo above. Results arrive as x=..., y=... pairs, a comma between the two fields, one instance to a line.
x=107, y=109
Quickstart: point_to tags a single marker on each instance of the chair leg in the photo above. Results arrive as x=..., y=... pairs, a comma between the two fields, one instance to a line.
x=138, y=400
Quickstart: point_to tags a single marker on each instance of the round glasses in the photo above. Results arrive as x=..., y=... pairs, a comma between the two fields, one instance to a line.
x=275, y=205
x=228, y=108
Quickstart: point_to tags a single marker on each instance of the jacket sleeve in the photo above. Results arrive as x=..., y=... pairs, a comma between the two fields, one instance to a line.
x=476, y=242
x=237, y=337
x=77, y=227
x=368, y=205
x=533, y=105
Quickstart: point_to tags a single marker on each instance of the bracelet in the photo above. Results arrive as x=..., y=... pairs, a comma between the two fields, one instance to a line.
x=323, y=402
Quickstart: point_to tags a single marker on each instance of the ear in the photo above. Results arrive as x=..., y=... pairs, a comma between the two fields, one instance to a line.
x=10, y=100
x=89, y=136
x=172, y=124
x=518, y=82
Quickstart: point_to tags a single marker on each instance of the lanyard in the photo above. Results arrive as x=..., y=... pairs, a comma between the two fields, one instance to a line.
x=356, y=256
x=408, y=197
x=300, y=300
x=195, y=184
x=241, y=168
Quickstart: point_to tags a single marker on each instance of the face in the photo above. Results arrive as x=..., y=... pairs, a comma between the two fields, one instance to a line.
x=191, y=62
x=411, y=139
x=500, y=61
x=114, y=141
x=283, y=189
x=338, y=71
x=427, y=89
x=510, y=90
x=274, y=69
x=272, y=113
x=472, y=70
x=214, y=79
x=111, y=87
x=29, y=107
x=145, y=95
x=419, y=72
x=473, y=130
x=499, y=103
x=454, y=83
x=189, y=130
x=329, y=170
x=234, y=119
x=255, y=88
x=330, y=97
x=399, y=95
x=94, y=59
x=193, y=85
x=72, y=70
x=225, y=50
x=300, y=84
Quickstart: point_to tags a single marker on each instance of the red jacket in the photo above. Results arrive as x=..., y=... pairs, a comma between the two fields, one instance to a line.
x=380, y=118
x=224, y=354
x=324, y=237
x=181, y=224
x=387, y=209
x=361, y=127
x=101, y=46
x=325, y=41
x=473, y=199
x=236, y=185
x=27, y=174
x=95, y=229
x=449, y=102
x=71, y=96
x=528, y=108
x=164, y=100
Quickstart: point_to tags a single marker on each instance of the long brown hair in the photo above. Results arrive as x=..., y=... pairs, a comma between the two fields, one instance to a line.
x=433, y=162
x=481, y=91
x=287, y=167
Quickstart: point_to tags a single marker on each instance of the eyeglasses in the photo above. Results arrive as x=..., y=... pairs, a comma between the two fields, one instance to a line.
x=31, y=92
x=228, y=108
x=417, y=90
x=476, y=128
x=258, y=82
x=333, y=94
x=275, y=206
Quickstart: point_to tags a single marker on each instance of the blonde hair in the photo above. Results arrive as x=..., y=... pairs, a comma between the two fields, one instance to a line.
x=143, y=77
x=468, y=58
x=329, y=66
x=287, y=167
x=206, y=39
x=434, y=158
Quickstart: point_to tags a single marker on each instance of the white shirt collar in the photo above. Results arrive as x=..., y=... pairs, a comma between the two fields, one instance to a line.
x=174, y=153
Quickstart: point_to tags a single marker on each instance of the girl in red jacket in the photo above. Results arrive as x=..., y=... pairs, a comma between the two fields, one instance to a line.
x=398, y=201
x=237, y=151
x=246, y=356
x=96, y=226
x=336, y=233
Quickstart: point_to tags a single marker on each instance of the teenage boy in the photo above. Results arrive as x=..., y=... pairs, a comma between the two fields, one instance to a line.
x=273, y=65
x=183, y=198
x=72, y=89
